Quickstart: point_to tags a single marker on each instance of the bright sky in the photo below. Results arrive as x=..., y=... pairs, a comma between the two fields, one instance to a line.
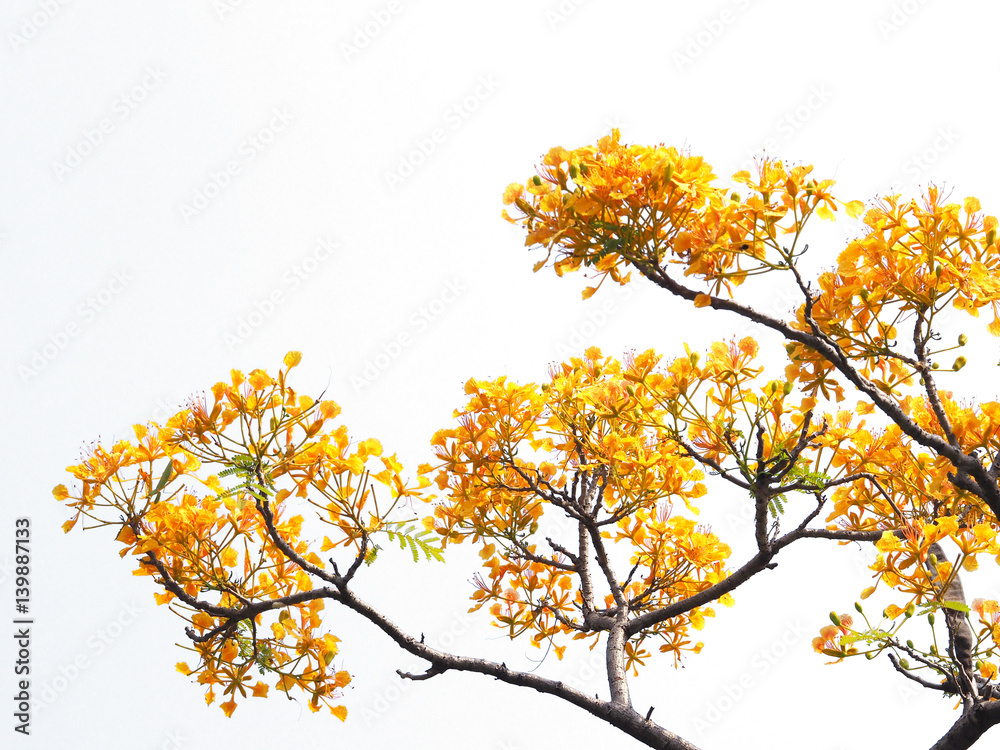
x=193, y=186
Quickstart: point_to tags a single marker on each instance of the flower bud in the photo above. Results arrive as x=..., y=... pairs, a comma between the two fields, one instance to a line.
x=857, y=606
x=734, y=197
x=630, y=390
x=668, y=173
x=865, y=294
x=911, y=609
x=910, y=644
x=934, y=650
x=932, y=559
x=935, y=365
x=835, y=619
x=537, y=181
x=904, y=663
x=584, y=170
x=959, y=363
x=787, y=388
x=694, y=358
x=963, y=340
x=573, y=171
x=930, y=618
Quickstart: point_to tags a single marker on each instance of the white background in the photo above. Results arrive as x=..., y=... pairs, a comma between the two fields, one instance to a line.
x=401, y=123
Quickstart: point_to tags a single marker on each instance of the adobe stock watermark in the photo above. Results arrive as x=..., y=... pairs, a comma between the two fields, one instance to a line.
x=557, y=15
x=121, y=108
x=85, y=314
x=594, y=666
x=171, y=740
x=418, y=323
x=454, y=117
x=366, y=32
x=736, y=688
x=164, y=409
x=575, y=341
x=224, y=8
x=389, y=695
x=697, y=43
x=32, y=24
x=249, y=149
x=47, y=693
x=6, y=569
x=916, y=168
x=266, y=306
x=898, y=17
x=790, y=122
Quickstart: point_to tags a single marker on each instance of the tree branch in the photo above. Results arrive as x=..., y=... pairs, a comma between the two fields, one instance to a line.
x=967, y=730
x=623, y=717
x=986, y=488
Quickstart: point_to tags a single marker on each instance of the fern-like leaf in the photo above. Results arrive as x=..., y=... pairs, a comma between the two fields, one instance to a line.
x=417, y=541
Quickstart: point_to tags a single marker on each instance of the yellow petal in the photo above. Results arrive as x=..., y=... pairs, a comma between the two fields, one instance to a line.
x=854, y=208
x=259, y=380
x=260, y=689
x=329, y=409
x=229, y=651
x=292, y=359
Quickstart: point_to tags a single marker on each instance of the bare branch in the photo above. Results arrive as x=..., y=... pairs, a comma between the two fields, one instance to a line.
x=942, y=686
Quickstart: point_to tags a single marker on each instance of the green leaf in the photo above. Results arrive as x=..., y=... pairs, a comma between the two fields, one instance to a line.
x=869, y=637
x=163, y=481
x=417, y=541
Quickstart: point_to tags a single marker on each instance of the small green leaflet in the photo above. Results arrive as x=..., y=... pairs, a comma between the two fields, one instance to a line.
x=957, y=606
x=416, y=540
x=246, y=468
x=245, y=641
x=870, y=637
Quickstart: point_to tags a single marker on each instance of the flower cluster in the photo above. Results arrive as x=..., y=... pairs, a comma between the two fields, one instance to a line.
x=611, y=206
x=218, y=552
